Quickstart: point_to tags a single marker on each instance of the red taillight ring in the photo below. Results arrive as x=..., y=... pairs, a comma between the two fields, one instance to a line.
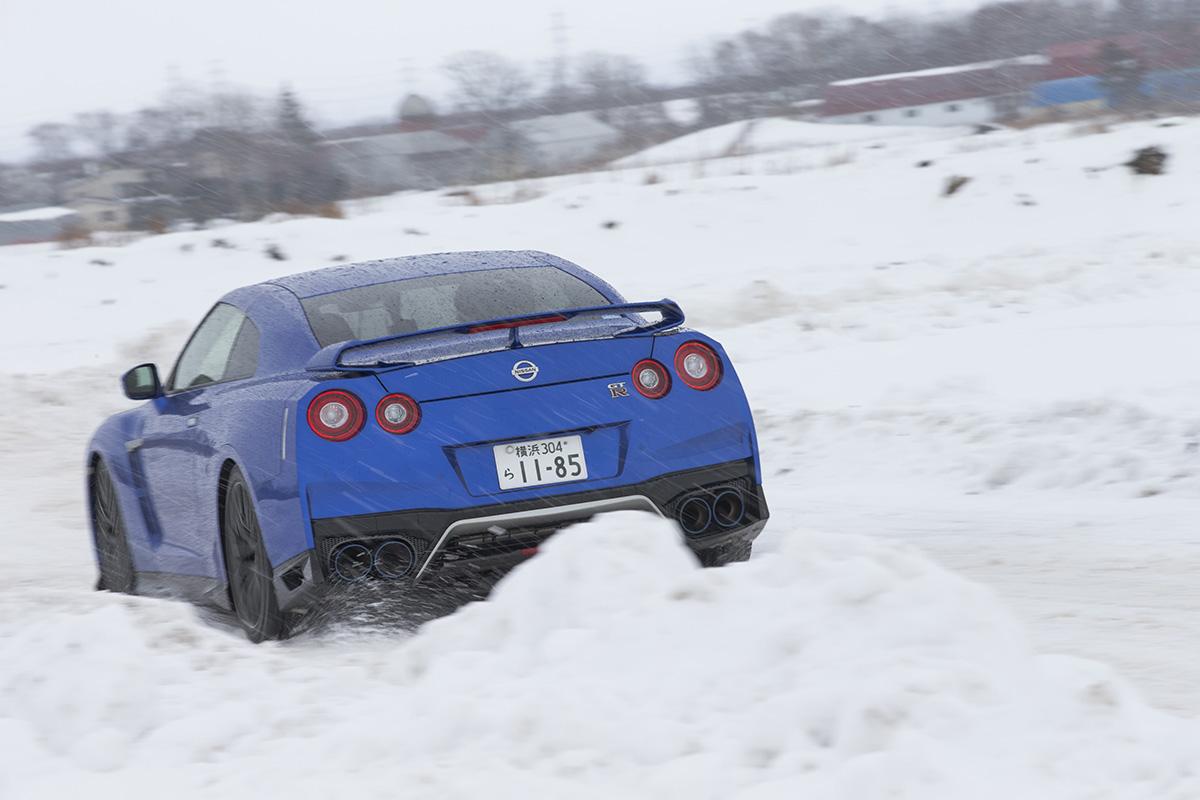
x=660, y=389
x=712, y=362
x=356, y=415
x=411, y=419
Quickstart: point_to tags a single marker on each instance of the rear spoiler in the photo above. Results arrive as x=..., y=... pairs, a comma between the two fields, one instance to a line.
x=329, y=359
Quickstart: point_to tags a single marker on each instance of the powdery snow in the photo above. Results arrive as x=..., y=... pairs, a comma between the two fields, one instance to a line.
x=1001, y=379
x=609, y=666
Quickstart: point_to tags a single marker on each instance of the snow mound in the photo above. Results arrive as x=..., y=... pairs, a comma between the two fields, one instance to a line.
x=611, y=665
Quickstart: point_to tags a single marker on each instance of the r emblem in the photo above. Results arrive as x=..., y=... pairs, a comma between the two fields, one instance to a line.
x=618, y=390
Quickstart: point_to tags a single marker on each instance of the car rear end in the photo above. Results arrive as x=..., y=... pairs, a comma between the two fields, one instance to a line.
x=471, y=462
x=428, y=452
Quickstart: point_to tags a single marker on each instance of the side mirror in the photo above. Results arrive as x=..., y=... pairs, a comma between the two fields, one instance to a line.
x=141, y=383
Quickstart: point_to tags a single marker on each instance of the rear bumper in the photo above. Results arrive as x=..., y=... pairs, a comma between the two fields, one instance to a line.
x=496, y=535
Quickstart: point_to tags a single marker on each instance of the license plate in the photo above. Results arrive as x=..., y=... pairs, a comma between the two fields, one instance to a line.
x=539, y=462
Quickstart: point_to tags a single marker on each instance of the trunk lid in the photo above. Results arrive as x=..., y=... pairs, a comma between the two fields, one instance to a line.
x=519, y=369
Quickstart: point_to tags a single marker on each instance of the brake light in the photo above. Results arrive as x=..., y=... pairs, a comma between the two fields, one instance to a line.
x=398, y=413
x=651, y=379
x=698, y=365
x=336, y=415
x=517, y=323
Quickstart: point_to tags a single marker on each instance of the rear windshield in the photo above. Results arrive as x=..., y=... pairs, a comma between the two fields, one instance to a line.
x=439, y=301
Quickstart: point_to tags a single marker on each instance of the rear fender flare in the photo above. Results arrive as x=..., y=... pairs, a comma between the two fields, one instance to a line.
x=111, y=443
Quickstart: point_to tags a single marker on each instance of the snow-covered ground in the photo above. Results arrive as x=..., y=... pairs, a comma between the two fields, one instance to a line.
x=1000, y=383
x=759, y=136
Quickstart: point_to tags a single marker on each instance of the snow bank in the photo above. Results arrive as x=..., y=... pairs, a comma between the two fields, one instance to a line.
x=609, y=666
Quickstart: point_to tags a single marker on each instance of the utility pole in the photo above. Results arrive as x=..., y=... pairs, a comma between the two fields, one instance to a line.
x=408, y=74
x=558, y=63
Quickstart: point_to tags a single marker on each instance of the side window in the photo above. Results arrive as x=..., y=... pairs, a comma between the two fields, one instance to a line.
x=243, y=361
x=206, y=357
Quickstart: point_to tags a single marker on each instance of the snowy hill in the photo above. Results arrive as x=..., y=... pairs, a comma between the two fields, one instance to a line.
x=758, y=136
x=999, y=381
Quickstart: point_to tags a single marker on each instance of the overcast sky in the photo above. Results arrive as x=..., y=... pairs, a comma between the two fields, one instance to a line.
x=346, y=58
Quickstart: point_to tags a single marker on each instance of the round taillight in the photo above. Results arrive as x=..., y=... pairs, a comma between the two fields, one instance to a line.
x=698, y=365
x=397, y=413
x=651, y=378
x=336, y=415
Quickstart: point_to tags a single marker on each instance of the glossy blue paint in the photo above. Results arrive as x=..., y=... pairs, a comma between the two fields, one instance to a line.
x=169, y=455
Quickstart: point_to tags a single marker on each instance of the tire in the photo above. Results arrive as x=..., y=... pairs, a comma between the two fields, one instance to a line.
x=725, y=554
x=113, y=557
x=251, y=584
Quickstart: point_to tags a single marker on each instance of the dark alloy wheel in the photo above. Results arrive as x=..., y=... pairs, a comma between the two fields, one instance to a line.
x=249, y=570
x=112, y=547
x=725, y=554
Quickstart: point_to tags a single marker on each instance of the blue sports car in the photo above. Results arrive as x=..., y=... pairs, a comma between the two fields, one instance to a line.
x=407, y=420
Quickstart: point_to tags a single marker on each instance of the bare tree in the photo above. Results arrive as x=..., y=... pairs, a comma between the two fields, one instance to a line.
x=100, y=130
x=22, y=186
x=149, y=128
x=488, y=82
x=612, y=80
x=302, y=171
x=236, y=111
x=52, y=140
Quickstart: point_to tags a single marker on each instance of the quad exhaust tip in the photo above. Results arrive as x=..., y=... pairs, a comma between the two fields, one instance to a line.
x=395, y=559
x=698, y=514
x=695, y=515
x=351, y=562
x=392, y=560
x=729, y=508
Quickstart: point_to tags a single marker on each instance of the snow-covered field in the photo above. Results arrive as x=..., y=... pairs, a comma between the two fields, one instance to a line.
x=999, y=384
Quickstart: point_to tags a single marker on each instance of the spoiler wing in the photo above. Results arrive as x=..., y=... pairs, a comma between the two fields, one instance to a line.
x=330, y=359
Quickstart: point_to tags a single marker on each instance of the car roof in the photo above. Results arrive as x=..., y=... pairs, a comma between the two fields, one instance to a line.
x=370, y=273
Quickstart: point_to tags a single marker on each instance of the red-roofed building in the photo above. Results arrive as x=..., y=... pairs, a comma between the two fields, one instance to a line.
x=966, y=94
x=1166, y=50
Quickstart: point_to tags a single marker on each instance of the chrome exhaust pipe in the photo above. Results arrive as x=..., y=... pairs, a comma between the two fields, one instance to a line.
x=351, y=561
x=694, y=515
x=729, y=508
x=395, y=559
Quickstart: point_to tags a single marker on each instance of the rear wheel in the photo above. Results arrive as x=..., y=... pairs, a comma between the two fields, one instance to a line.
x=251, y=587
x=725, y=554
x=112, y=546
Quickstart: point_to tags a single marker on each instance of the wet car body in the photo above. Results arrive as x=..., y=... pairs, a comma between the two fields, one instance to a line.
x=365, y=442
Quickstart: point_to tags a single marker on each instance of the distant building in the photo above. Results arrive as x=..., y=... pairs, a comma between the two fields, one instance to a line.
x=561, y=141
x=412, y=154
x=31, y=225
x=966, y=94
x=412, y=159
x=424, y=151
x=1074, y=83
x=417, y=112
x=1163, y=50
x=114, y=200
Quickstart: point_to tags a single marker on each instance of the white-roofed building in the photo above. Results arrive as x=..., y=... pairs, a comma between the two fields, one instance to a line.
x=556, y=141
x=410, y=159
x=30, y=225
